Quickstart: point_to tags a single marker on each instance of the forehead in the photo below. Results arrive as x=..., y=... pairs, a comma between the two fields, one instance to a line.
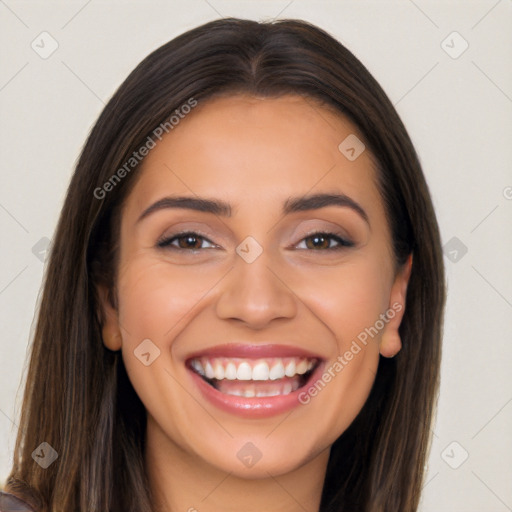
x=243, y=148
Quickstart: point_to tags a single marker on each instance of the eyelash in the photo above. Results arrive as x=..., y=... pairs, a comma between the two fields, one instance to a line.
x=342, y=242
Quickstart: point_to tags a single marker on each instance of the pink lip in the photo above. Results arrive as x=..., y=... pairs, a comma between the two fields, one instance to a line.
x=262, y=407
x=253, y=351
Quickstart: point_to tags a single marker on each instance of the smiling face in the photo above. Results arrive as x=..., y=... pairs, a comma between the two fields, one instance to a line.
x=254, y=252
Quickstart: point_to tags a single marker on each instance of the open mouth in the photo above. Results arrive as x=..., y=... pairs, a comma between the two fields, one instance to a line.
x=254, y=378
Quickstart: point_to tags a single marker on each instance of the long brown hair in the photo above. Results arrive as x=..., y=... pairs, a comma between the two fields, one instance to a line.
x=78, y=397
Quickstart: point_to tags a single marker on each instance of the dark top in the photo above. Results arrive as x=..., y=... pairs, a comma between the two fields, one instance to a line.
x=10, y=503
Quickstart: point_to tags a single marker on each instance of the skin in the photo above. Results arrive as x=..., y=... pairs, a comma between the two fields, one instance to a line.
x=254, y=154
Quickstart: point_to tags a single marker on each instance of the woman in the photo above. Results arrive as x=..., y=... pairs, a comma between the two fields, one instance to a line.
x=244, y=299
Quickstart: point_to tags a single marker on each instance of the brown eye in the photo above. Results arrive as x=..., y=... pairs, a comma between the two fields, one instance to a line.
x=319, y=240
x=189, y=242
x=185, y=241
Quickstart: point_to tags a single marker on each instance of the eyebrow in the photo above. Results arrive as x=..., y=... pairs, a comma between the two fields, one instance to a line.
x=291, y=205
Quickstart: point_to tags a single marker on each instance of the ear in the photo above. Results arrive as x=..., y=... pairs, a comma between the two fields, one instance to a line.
x=108, y=318
x=391, y=343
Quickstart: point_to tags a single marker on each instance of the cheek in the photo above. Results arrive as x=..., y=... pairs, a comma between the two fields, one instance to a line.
x=156, y=300
x=347, y=299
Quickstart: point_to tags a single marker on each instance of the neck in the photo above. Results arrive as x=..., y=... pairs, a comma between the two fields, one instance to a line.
x=181, y=481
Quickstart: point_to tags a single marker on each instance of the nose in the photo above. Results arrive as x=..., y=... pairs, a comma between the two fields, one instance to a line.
x=256, y=294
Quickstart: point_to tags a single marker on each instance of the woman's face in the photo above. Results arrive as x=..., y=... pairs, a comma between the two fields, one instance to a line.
x=282, y=286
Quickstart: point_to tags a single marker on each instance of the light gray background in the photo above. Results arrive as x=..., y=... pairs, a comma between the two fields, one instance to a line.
x=458, y=113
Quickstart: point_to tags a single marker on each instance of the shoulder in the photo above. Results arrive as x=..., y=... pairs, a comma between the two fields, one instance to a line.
x=10, y=503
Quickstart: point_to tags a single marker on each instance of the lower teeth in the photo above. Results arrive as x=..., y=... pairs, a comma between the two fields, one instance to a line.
x=258, y=389
x=251, y=393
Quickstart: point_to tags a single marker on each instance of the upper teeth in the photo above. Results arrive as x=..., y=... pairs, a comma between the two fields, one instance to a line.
x=251, y=369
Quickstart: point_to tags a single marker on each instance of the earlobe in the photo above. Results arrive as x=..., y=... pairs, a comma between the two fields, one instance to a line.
x=391, y=342
x=390, y=345
x=111, y=334
x=111, y=340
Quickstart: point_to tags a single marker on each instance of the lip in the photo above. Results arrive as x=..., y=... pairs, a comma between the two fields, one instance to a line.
x=254, y=351
x=255, y=407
